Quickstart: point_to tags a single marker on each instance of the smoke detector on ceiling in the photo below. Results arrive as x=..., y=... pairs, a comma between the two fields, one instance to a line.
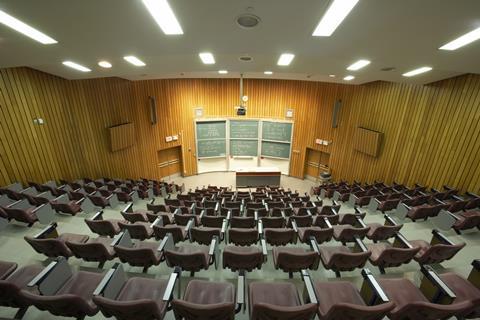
x=247, y=20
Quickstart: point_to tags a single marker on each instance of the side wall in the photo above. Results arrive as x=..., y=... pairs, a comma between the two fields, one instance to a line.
x=431, y=132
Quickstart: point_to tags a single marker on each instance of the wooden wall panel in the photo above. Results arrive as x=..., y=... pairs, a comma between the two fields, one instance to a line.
x=431, y=132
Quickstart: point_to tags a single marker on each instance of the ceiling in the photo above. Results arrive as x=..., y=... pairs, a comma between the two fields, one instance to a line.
x=404, y=34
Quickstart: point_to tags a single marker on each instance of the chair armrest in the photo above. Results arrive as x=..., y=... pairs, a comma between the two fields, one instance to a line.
x=48, y=232
x=128, y=207
x=448, y=188
x=307, y=280
x=112, y=282
x=407, y=196
x=255, y=214
x=444, y=290
x=158, y=222
x=314, y=245
x=264, y=249
x=389, y=220
x=40, y=276
x=217, y=207
x=152, y=201
x=471, y=194
x=224, y=229
x=359, y=243
x=360, y=222
x=294, y=226
x=97, y=216
x=39, y=207
x=172, y=280
x=189, y=226
x=327, y=222
x=439, y=201
x=202, y=213
x=309, y=212
x=457, y=197
x=241, y=286
x=213, y=251
x=260, y=227
x=167, y=243
x=476, y=264
x=440, y=237
x=375, y=286
x=453, y=215
x=402, y=240
x=435, y=190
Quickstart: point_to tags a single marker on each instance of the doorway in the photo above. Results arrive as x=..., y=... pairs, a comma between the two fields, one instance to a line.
x=316, y=162
x=170, y=162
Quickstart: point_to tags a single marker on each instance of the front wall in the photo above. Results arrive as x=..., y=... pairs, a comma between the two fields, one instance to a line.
x=430, y=132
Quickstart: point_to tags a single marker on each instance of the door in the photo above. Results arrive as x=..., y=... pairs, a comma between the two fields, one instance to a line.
x=170, y=162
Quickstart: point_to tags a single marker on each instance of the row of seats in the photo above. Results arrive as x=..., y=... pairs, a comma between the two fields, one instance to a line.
x=415, y=203
x=63, y=292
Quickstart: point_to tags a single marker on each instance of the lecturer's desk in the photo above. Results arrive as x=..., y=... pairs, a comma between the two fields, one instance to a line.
x=259, y=176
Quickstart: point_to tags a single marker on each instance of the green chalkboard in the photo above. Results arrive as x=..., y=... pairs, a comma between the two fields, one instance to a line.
x=276, y=149
x=211, y=130
x=244, y=129
x=211, y=148
x=244, y=148
x=278, y=131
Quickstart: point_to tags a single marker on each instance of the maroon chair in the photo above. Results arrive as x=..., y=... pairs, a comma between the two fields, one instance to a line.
x=277, y=300
x=71, y=207
x=386, y=231
x=109, y=227
x=204, y=235
x=95, y=249
x=465, y=289
x=243, y=222
x=347, y=233
x=274, y=222
x=27, y=216
x=71, y=297
x=51, y=244
x=179, y=233
x=242, y=236
x=6, y=268
x=342, y=300
x=243, y=258
x=467, y=220
x=411, y=303
x=294, y=259
x=426, y=210
x=133, y=298
x=386, y=255
x=141, y=254
x=279, y=237
x=343, y=258
x=12, y=285
x=206, y=300
x=439, y=249
x=321, y=235
x=135, y=216
x=137, y=230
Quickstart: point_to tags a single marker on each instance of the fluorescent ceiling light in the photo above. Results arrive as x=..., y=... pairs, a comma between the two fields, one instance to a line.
x=416, y=71
x=285, y=59
x=268, y=72
x=222, y=71
x=135, y=61
x=462, y=41
x=164, y=16
x=76, y=66
x=105, y=64
x=207, y=57
x=331, y=75
x=335, y=14
x=348, y=78
x=358, y=65
x=24, y=28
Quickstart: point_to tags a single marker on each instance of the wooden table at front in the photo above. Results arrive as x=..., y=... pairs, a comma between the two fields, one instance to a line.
x=258, y=176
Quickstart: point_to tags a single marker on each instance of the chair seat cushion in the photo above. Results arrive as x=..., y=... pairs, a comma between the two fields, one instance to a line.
x=206, y=292
x=106, y=242
x=402, y=292
x=327, y=252
x=333, y=293
x=82, y=284
x=73, y=237
x=293, y=259
x=274, y=293
x=137, y=288
x=377, y=249
x=464, y=289
x=246, y=258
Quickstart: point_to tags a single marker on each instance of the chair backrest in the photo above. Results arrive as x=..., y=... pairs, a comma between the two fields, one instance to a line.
x=177, y=232
x=127, y=310
x=139, y=257
x=186, y=310
x=102, y=227
x=261, y=311
x=51, y=247
x=242, y=222
x=349, y=311
x=192, y=262
x=242, y=237
x=93, y=251
x=279, y=237
x=439, y=252
x=348, y=261
x=204, y=235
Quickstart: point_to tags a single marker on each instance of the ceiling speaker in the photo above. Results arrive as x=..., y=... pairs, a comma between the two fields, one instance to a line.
x=153, y=110
x=336, y=113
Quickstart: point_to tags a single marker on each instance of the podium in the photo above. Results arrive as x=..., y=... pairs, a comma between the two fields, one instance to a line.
x=256, y=177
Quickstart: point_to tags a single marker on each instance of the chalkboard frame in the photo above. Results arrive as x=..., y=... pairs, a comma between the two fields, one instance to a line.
x=226, y=139
x=259, y=139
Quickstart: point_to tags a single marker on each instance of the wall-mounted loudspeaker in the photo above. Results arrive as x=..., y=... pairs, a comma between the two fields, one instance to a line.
x=152, y=104
x=336, y=113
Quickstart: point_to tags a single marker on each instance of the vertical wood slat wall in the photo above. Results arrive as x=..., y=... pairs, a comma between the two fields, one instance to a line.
x=431, y=132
